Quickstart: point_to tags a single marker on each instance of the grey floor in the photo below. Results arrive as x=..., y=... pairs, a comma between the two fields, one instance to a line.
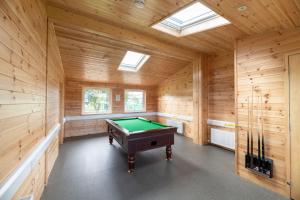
x=89, y=168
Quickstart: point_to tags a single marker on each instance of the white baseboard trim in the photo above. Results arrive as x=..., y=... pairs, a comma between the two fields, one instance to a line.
x=11, y=186
x=220, y=123
x=121, y=115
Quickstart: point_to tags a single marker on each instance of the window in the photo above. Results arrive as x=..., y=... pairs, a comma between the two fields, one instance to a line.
x=96, y=101
x=133, y=61
x=135, y=101
x=193, y=18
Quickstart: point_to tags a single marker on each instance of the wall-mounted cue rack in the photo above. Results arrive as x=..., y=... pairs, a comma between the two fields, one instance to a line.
x=258, y=164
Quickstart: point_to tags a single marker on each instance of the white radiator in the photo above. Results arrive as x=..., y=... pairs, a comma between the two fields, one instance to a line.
x=30, y=197
x=222, y=138
x=177, y=124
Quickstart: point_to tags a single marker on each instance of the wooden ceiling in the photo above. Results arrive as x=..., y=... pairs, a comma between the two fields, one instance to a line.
x=88, y=60
x=261, y=16
x=123, y=13
x=103, y=30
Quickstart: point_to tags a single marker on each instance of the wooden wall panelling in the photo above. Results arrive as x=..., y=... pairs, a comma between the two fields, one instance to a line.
x=73, y=105
x=89, y=126
x=221, y=87
x=85, y=127
x=220, y=90
x=34, y=183
x=73, y=96
x=186, y=124
x=260, y=62
x=55, y=82
x=175, y=96
x=22, y=81
x=25, y=92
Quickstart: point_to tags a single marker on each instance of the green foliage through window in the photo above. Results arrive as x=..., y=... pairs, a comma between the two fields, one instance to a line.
x=96, y=100
x=134, y=101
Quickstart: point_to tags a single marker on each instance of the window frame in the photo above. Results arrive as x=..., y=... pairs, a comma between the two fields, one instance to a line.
x=96, y=113
x=144, y=101
x=133, y=68
x=195, y=26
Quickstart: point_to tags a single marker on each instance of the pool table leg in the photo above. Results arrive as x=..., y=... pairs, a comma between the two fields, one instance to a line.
x=131, y=160
x=168, y=152
x=110, y=139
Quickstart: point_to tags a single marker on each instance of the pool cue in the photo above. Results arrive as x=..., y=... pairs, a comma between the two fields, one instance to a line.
x=247, y=161
x=248, y=152
x=251, y=133
x=258, y=133
x=262, y=133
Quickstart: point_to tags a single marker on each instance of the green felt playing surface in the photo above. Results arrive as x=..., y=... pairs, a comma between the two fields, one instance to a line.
x=138, y=124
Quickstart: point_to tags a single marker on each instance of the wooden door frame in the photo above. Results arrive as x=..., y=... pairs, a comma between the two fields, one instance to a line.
x=200, y=99
x=287, y=99
x=61, y=111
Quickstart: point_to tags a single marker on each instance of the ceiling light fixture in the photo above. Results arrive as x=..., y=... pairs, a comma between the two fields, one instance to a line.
x=242, y=8
x=139, y=3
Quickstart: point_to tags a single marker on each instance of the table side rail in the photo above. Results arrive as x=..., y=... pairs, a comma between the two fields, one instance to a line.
x=147, y=143
x=119, y=136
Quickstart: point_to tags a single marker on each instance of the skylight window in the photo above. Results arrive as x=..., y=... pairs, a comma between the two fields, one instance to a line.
x=133, y=61
x=194, y=18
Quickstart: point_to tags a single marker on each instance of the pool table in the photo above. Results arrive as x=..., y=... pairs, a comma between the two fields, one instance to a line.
x=139, y=134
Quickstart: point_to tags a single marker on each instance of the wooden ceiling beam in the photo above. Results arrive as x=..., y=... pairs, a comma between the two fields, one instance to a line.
x=94, y=39
x=117, y=35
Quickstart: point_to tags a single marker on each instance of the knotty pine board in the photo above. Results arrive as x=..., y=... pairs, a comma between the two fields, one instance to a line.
x=260, y=61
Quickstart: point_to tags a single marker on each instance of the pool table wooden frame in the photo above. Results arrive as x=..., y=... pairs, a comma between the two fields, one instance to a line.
x=141, y=140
